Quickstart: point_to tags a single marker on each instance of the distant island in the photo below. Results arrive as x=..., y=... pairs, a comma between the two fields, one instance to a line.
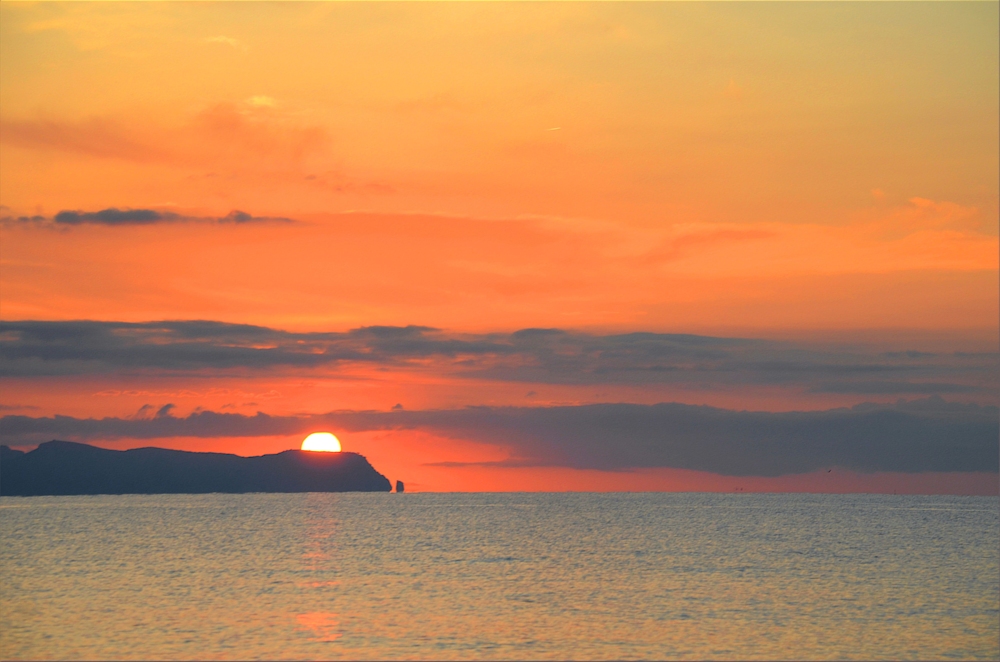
x=65, y=468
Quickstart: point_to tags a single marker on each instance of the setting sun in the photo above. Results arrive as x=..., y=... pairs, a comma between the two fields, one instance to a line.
x=323, y=442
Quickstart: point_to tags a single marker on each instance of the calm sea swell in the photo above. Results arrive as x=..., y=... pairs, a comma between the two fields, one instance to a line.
x=508, y=576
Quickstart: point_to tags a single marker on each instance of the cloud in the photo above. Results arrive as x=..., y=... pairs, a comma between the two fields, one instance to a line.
x=919, y=436
x=921, y=215
x=867, y=387
x=100, y=137
x=691, y=242
x=919, y=235
x=926, y=435
x=121, y=30
x=15, y=430
x=164, y=411
x=232, y=136
x=114, y=216
x=228, y=41
x=237, y=216
x=261, y=100
x=144, y=411
x=542, y=356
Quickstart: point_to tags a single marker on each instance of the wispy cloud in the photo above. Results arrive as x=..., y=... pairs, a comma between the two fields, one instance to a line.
x=101, y=137
x=262, y=101
x=249, y=133
x=227, y=41
x=920, y=436
x=16, y=407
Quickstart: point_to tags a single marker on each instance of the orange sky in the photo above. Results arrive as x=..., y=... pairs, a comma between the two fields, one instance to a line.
x=823, y=174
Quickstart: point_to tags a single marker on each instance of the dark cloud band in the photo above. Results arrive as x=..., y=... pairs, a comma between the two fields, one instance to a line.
x=123, y=217
x=928, y=435
x=550, y=356
x=114, y=217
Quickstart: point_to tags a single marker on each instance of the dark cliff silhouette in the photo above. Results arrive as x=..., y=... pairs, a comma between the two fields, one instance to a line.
x=399, y=486
x=64, y=467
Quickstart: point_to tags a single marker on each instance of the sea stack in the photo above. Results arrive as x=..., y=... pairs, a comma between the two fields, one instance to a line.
x=399, y=487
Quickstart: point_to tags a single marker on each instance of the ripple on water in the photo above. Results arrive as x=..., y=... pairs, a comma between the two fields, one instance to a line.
x=500, y=576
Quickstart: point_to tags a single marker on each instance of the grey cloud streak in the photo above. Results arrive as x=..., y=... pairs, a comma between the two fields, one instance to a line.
x=115, y=217
x=20, y=430
x=550, y=356
x=920, y=436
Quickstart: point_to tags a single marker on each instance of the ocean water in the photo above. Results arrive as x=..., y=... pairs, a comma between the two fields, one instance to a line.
x=500, y=576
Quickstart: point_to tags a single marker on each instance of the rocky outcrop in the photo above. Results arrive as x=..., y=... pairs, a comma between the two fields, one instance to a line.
x=63, y=467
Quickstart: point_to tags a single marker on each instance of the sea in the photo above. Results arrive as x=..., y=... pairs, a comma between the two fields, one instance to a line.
x=510, y=576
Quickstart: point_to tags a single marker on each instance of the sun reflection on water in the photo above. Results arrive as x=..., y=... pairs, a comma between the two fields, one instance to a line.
x=323, y=625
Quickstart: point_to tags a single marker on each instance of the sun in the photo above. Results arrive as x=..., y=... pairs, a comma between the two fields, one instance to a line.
x=323, y=442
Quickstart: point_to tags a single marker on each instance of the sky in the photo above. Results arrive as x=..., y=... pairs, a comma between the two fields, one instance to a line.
x=519, y=246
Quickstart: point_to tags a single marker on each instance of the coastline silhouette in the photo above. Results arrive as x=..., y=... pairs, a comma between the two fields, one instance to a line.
x=66, y=468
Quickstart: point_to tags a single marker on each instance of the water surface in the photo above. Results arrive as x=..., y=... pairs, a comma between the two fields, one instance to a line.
x=500, y=576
